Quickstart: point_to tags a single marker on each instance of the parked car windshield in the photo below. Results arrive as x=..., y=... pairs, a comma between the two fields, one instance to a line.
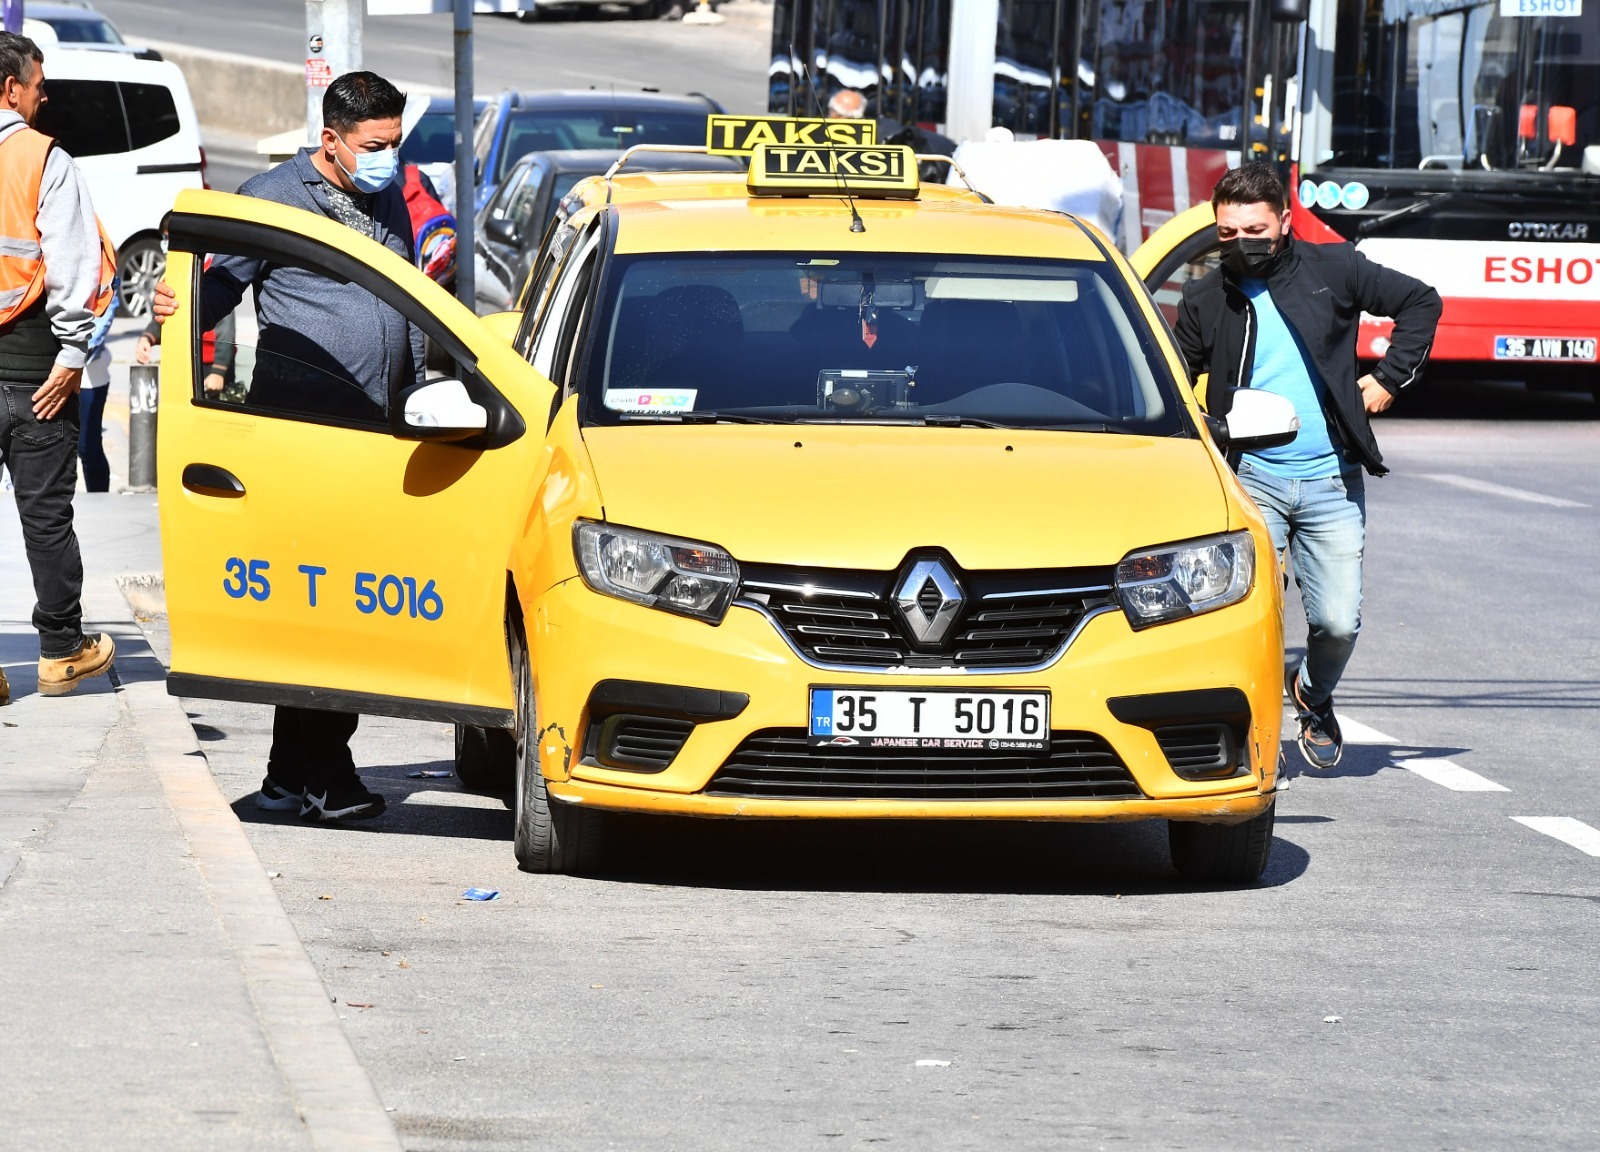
x=532, y=130
x=83, y=30
x=800, y=337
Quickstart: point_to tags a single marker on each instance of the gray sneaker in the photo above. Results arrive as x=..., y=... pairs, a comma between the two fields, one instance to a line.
x=1321, y=742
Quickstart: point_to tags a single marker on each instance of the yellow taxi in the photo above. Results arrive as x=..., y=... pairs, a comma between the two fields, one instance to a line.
x=811, y=492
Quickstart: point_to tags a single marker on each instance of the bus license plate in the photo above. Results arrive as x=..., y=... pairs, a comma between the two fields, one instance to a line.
x=938, y=718
x=1568, y=348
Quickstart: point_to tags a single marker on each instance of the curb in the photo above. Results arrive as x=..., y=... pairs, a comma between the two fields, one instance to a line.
x=332, y=1093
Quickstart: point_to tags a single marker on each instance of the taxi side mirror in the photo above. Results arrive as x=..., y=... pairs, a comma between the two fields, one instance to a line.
x=440, y=410
x=1255, y=420
x=502, y=231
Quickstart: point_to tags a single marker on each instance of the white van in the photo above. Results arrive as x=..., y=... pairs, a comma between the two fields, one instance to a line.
x=130, y=125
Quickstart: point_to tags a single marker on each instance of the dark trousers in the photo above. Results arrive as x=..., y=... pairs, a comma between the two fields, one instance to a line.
x=96, y=468
x=43, y=458
x=311, y=747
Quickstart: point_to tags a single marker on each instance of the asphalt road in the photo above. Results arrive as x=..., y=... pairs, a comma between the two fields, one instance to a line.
x=1415, y=971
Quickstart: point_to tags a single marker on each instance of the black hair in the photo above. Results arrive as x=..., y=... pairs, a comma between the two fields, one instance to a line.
x=1257, y=182
x=19, y=58
x=358, y=96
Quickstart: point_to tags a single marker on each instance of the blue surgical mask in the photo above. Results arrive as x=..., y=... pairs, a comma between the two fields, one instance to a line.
x=374, y=172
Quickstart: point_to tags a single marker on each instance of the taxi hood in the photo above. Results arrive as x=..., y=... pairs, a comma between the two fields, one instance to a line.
x=838, y=496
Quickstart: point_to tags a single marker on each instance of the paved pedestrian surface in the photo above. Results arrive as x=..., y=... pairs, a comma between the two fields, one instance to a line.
x=127, y=1023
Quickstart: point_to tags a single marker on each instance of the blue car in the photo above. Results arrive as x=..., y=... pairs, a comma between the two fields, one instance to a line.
x=522, y=122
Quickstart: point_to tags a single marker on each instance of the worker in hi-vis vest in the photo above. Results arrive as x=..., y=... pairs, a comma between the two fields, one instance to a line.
x=56, y=268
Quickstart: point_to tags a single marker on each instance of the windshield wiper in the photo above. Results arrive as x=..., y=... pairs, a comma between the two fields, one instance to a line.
x=944, y=420
x=694, y=418
x=1415, y=208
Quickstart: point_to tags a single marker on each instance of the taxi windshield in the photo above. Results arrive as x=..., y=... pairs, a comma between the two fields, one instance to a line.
x=798, y=338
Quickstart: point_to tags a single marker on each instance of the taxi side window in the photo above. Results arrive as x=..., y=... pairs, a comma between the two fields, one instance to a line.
x=291, y=340
x=248, y=361
x=536, y=296
x=557, y=327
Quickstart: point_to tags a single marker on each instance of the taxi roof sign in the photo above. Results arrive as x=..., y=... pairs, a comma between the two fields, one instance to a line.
x=875, y=171
x=741, y=135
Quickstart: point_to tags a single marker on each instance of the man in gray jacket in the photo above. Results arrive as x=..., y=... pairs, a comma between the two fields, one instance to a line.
x=325, y=349
x=55, y=276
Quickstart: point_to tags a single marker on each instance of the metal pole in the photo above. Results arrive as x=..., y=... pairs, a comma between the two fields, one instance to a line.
x=143, y=396
x=466, y=184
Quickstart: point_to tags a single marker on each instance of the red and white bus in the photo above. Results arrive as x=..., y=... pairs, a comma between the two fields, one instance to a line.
x=1458, y=141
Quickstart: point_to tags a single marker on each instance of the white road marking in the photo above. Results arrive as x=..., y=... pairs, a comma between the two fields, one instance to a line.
x=1445, y=773
x=1567, y=830
x=1472, y=484
x=1451, y=776
x=1355, y=732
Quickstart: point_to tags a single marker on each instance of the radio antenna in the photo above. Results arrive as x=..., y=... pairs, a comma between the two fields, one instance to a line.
x=856, y=224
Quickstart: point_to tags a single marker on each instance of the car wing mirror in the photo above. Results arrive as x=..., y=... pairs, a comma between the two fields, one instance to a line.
x=440, y=410
x=502, y=231
x=1255, y=420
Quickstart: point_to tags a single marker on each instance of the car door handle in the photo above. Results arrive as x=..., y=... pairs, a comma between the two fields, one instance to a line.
x=210, y=480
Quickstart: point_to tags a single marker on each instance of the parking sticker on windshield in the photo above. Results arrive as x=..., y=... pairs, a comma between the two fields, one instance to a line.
x=653, y=400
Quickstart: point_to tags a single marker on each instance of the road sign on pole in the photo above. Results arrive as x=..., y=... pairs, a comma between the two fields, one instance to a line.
x=333, y=47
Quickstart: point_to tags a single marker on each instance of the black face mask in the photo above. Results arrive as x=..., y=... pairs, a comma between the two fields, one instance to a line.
x=1251, y=256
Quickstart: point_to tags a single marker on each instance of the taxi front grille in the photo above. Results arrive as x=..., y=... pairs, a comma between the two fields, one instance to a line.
x=842, y=618
x=777, y=763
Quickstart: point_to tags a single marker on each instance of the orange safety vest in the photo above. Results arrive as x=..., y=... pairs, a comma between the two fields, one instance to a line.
x=22, y=160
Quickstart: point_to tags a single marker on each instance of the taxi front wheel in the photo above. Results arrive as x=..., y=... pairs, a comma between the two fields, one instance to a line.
x=548, y=836
x=1222, y=853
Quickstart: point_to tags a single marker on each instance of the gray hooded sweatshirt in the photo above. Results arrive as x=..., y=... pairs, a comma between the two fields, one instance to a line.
x=70, y=240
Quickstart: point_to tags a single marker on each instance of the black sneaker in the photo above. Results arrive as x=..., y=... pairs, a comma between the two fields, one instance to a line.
x=277, y=797
x=348, y=800
x=1321, y=742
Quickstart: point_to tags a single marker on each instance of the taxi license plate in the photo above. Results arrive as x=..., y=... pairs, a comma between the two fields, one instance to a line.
x=1579, y=349
x=930, y=718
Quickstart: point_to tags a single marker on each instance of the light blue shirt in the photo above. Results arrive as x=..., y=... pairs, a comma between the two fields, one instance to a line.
x=1282, y=366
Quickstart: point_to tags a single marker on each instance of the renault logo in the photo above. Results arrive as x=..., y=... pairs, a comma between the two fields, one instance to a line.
x=929, y=600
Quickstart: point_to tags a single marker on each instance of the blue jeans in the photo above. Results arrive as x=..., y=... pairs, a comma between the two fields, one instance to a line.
x=1323, y=524
x=96, y=468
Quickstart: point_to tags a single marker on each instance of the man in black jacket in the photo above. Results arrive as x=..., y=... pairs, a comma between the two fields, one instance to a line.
x=1282, y=315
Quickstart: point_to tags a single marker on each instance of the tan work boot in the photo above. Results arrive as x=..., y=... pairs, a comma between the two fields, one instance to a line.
x=5, y=690
x=58, y=677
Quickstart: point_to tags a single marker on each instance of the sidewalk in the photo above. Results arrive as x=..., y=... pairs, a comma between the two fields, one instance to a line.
x=155, y=994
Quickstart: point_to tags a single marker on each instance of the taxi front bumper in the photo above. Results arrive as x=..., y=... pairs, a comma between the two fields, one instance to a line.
x=579, y=639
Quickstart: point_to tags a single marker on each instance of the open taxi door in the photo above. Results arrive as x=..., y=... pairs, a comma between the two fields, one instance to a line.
x=1182, y=249
x=323, y=549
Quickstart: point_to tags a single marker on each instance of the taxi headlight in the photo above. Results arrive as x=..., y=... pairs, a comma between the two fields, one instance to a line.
x=658, y=571
x=1174, y=583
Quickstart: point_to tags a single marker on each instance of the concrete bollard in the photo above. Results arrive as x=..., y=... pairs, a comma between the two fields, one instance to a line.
x=143, y=392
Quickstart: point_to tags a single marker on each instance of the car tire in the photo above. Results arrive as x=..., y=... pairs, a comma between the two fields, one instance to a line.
x=547, y=836
x=529, y=15
x=1222, y=853
x=141, y=265
x=644, y=11
x=486, y=759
